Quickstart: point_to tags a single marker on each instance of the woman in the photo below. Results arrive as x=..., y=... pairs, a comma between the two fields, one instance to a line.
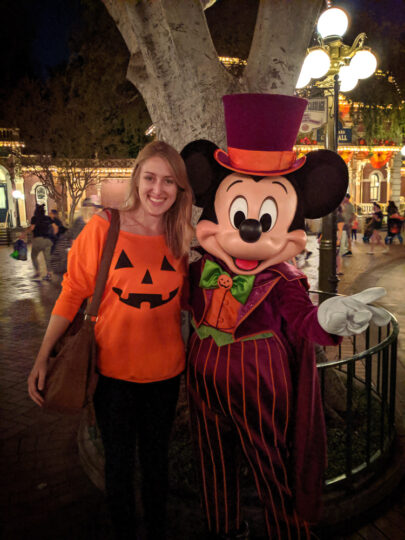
x=140, y=349
x=376, y=225
x=43, y=231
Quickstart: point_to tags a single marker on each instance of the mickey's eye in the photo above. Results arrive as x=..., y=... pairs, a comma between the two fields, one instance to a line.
x=268, y=214
x=238, y=211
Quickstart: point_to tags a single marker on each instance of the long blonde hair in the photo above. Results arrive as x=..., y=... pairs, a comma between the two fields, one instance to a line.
x=177, y=220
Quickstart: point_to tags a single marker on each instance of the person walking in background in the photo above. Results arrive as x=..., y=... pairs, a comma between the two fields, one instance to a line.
x=375, y=225
x=138, y=332
x=54, y=215
x=65, y=237
x=348, y=216
x=392, y=208
x=43, y=231
x=341, y=240
x=355, y=226
x=89, y=207
x=58, y=230
x=394, y=224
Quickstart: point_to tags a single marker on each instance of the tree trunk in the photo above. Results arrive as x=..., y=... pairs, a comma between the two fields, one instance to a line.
x=175, y=66
x=72, y=210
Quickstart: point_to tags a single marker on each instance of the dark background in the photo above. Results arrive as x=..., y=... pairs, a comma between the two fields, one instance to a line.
x=41, y=38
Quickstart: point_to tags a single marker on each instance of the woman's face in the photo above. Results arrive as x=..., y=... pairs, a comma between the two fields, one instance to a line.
x=157, y=186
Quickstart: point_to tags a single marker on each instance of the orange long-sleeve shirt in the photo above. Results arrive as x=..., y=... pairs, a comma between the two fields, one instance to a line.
x=138, y=327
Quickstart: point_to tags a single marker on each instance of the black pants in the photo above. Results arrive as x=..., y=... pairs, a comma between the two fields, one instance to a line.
x=128, y=412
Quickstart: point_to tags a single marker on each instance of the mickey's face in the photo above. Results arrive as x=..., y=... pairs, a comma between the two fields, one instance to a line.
x=253, y=222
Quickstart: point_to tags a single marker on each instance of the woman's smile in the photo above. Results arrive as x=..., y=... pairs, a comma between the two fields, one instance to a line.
x=157, y=186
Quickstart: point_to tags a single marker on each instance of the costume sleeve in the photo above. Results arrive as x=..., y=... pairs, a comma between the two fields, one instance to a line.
x=83, y=262
x=300, y=314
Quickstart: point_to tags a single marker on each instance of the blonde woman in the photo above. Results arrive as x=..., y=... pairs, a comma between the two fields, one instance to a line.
x=141, y=352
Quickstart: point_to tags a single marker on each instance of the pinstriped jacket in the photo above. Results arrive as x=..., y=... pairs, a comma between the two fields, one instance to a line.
x=279, y=303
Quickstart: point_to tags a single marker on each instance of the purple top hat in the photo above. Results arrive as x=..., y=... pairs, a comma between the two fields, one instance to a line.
x=261, y=132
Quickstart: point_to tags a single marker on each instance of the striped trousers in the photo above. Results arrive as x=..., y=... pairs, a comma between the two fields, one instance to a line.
x=240, y=395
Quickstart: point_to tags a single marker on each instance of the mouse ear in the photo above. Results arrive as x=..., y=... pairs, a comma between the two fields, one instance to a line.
x=204, y=172
x=321, y=183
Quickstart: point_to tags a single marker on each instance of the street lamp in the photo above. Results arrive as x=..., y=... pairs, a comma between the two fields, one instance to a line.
x=335, y=66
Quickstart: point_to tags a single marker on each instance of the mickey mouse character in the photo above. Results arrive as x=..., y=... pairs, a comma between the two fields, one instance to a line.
x=252, y=379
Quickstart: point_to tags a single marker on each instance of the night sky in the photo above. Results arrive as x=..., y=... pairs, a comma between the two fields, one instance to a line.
x=34, y=37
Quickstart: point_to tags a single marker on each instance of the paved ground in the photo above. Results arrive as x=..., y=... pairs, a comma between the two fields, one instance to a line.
x=44, y=492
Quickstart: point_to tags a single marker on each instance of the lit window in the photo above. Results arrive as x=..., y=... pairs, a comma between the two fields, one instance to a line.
x=375, y=182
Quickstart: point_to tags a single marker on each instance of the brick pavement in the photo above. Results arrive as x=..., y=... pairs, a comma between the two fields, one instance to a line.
x=44, y=492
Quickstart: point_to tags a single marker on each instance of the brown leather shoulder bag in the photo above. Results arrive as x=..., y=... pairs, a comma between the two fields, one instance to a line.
x=71, y=377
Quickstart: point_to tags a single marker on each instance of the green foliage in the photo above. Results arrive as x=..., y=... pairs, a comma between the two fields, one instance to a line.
x=382, y=123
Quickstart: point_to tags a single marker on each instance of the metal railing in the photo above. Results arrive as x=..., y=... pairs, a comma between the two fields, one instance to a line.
x=365, y=367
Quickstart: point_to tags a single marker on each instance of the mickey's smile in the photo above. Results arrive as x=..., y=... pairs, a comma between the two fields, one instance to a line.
x=245, y=264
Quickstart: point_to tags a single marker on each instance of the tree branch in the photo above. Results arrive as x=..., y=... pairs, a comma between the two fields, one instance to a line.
x=175, y=66
x=279, y=44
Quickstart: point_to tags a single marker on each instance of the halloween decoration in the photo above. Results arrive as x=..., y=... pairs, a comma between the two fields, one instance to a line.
x=137, y=299
x=252, y=378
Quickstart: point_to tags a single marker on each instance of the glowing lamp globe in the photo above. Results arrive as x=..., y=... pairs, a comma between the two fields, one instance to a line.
x=363, y=63
x=317, y=63
x=347, y=78
x=333, y=22
x=304, y=78
x=403, y=151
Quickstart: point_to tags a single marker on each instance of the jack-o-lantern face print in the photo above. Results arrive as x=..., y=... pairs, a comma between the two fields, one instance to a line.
x=224, y=281
x=153, y=284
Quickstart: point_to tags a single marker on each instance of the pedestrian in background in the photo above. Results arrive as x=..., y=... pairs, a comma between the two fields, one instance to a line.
x=394, y=224
x=65, y=237
x=355, y=226
x=54, y=215
x=341, y=239
x=348, y=216
x=375, y=225
x=138, y=332
x=89, y=207
x=392, y=208
x=43, y=231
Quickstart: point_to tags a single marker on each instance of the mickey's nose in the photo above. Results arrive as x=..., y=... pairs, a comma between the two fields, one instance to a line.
x=250, y=230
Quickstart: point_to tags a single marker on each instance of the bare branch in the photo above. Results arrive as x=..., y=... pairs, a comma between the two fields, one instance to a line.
x=64, y=176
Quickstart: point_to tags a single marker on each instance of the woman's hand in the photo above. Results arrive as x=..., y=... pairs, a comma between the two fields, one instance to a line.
x=36, y=379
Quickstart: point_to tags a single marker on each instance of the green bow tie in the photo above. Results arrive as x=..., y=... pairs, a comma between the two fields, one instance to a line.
x=241, y=286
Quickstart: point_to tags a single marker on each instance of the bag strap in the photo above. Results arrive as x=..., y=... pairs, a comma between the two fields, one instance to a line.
x=105, y=263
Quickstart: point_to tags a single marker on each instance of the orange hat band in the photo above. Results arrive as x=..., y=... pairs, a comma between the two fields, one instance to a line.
x=261, y=160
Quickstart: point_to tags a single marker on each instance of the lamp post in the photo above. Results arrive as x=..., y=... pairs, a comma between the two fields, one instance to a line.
x=337, y=67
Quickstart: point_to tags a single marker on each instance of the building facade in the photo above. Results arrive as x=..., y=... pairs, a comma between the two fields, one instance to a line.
x=376, y=173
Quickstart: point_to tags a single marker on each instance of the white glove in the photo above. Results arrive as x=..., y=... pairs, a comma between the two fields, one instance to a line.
x=348, y=315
